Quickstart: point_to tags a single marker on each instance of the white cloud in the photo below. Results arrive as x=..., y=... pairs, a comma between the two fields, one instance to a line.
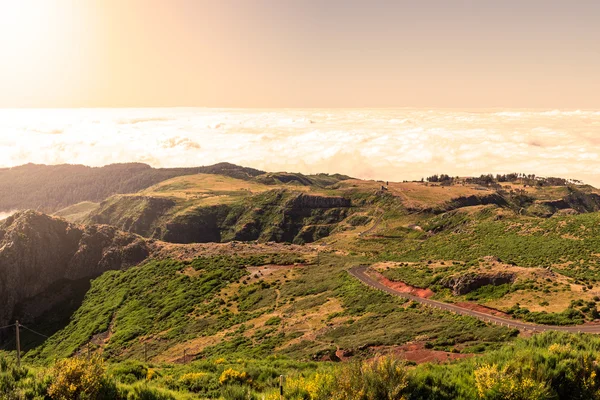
x=6, y=214
x=391, y=144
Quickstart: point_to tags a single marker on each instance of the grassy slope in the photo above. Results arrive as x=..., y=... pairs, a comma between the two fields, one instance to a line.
x=223, y=207
x=555, y=259
x=77, y=212
x=319, y=308
x=213, y=306
x=564, y=243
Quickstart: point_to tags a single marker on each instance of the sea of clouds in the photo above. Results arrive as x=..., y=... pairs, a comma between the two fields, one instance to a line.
x=389, y=144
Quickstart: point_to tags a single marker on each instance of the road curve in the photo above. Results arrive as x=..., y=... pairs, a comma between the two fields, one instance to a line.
x=375, y=225
x=359, y=273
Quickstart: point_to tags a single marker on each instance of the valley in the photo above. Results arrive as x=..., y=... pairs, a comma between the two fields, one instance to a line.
x=308, y=271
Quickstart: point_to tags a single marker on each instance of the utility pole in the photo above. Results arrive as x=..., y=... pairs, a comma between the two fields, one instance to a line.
x=145, y=352
x=18, y=345
x=184, y=355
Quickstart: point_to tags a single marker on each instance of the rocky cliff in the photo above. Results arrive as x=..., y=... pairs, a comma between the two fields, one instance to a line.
x=39, y=252
x=276, y=215
x=576, y=200
x=463, y=284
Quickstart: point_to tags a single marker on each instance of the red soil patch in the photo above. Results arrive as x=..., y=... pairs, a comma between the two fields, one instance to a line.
x=402, y=287
x=417, y=353
x=482, y=309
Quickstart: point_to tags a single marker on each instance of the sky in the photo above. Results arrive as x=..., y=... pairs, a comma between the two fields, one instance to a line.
x=375, y=89
x=301, y=53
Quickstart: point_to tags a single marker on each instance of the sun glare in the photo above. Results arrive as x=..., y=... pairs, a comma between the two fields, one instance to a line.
x=24, y=26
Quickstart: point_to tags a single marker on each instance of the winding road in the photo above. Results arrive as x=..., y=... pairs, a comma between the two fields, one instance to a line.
x=360, y=273
x=375, y=225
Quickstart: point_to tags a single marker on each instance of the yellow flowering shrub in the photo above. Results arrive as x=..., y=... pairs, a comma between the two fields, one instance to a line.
x=493, y=382
x=314, y=387
x=76, y=378
x=219, y=361
x=232, y=376
x=380, y=378
x=151, y=374
x=588, y=376
x=557, y=348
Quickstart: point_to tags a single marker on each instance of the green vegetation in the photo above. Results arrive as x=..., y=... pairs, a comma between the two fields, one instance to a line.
x=215, y=300
x=567, y=244
x=52, y=187
x=164, y=298
x=226, y=326
x=220, y=209
x=419, y=274
x=547, y=366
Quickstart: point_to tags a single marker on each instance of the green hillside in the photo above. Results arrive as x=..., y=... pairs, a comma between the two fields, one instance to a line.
x=252, y=306
x=52, y=187
x=245, y=279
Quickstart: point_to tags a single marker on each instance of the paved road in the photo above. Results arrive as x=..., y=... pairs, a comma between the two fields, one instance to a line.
x=375, y=225
x=360, y=274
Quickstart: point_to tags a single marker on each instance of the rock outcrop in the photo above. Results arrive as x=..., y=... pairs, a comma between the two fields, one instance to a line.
x=463, y=284
x=38, y=252
x=135, y=214
x=276, y=215
x=310, y=201
x=577, y=201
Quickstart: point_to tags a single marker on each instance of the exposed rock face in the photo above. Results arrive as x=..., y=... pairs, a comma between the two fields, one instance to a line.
x=465, y=201
x=136, y=214
x=277, y=215
x=577, y=201
x=463, y=284
x=468, y=201
x=201, y=226
x=308, y=201
x=38, y=251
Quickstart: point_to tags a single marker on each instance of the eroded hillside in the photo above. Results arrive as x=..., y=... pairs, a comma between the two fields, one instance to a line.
x=45, y=261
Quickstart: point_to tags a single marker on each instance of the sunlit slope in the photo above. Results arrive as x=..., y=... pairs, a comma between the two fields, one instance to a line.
x=286, y=303
x=214, y=208
x=52, y=187
x=78, y=212
x=544, y=270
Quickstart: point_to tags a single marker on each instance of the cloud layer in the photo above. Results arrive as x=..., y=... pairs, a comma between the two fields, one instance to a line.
x=391, y=144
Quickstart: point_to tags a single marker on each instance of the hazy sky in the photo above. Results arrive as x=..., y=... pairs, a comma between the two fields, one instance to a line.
x=301, y=53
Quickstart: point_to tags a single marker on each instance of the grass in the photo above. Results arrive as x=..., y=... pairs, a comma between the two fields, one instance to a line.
x=77, y=212
x=550, y=365
x=214, y=306
x=565, y=243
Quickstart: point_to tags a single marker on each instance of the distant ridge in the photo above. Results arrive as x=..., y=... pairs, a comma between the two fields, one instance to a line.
x=51, y=187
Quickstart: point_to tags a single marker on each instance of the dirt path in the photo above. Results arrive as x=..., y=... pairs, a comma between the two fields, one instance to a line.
x=360, y=274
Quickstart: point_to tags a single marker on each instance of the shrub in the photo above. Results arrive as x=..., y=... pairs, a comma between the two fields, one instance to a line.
x=318, y=386
x=77, y=378
x=232, y=376
x=237, y=392
x=146, y=393
x=130, y=371
x=494, y=382
x=197, y=382
x=381, y=378
x=273, y=321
